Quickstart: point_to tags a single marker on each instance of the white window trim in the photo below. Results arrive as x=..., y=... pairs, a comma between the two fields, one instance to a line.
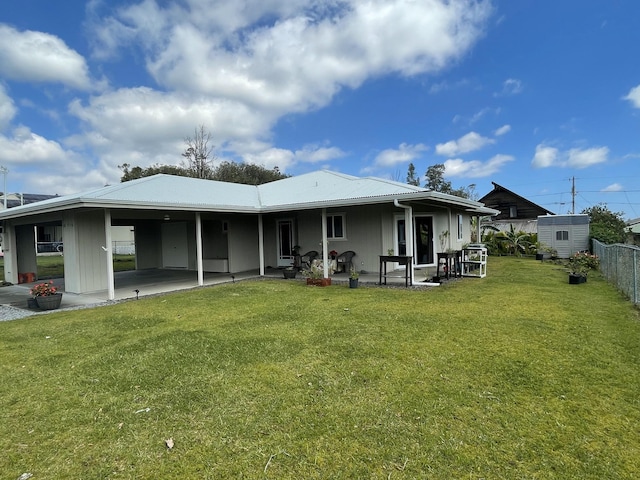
x=460, y=227
x=344, y=226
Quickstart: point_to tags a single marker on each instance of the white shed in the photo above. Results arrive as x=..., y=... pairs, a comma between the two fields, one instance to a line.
x=567, y=234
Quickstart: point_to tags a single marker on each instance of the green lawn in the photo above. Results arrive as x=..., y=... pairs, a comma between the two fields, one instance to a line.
x=516, y=376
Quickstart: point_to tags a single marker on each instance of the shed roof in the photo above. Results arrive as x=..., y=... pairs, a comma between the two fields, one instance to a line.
x=313, y=190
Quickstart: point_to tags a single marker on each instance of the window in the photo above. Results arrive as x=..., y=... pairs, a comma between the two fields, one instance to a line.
x=562, y=235
x=335, y=226
x=459, y=227
x=513, y=211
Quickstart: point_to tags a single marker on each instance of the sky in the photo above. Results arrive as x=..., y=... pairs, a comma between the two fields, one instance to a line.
x=530, y=94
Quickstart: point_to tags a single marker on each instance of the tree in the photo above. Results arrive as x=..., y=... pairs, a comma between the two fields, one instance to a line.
x=604, y=225
x=411, y=176
x=132, y=173
x=198, y=154
x=435, y=179
x=246, y=173
x=198, y=163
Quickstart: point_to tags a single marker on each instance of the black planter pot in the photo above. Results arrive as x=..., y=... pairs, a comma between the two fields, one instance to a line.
x=290, y=273
x=577, y=279
x=353, y=283
x=540, y=256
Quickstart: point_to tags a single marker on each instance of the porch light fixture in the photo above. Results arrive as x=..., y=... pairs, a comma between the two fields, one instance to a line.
x=166, y=217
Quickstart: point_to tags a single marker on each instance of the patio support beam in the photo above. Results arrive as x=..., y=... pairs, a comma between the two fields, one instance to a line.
x=111, y=289
x=199, y=261
x=408, y=232
x=325, y=245
x=261, y=243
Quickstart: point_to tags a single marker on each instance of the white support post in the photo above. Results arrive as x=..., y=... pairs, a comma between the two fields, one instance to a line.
x=325, y=245
x=199, y=249
x=109, y=251
x=261, y=244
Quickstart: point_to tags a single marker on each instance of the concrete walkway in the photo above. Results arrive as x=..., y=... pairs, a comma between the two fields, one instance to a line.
x=151, y=282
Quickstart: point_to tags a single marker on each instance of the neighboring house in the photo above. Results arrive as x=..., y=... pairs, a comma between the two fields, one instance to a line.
x=515, y=210
x=567, y=234
x=633, y=231
x=44, y=232
x=203, y=225
x=49, y=237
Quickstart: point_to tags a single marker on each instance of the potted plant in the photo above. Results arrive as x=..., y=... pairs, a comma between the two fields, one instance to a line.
x=353, y=278
x=290, y=272
x=315, y=275
x=579, y=266
x=46, y=295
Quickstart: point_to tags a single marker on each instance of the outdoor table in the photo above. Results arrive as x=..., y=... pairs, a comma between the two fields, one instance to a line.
x=400, y=259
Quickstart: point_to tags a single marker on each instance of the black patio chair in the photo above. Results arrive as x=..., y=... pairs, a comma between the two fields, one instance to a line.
x=344, y=261
x=307, y=258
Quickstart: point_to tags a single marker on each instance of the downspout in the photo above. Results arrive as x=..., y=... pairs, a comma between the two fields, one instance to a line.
x=408, y=232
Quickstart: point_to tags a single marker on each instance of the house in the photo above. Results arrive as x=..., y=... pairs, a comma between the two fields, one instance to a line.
x=208, y=226
x=633, y=231
x=567, y=234
x=514, y=210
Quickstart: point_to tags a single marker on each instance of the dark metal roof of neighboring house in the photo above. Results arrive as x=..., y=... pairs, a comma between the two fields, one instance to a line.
x=502, y=199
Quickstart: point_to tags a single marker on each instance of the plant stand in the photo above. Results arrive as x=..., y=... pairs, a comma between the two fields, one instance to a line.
x=49, y=302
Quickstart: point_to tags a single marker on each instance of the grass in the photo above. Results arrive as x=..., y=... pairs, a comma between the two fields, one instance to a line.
x=518, y=375
x=52, y=266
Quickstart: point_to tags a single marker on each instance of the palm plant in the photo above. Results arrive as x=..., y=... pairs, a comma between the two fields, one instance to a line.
x=515, y=242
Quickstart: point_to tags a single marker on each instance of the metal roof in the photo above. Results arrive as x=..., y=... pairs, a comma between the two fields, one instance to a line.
x=313, y=190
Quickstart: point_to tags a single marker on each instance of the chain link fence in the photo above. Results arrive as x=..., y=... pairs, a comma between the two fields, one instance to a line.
x=620, y=265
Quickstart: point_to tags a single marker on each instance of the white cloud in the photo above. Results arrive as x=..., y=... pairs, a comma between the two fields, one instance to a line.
x=301, y=60
x=510, y=86
x=475, y=168
x=579, y=158
x=40, y=57
x=546, y=156
x=614, y=187
x=470, y=142
x=503, y=130
x=634, y=96
x=404, y=154
x=26, y=147
x=7, y=109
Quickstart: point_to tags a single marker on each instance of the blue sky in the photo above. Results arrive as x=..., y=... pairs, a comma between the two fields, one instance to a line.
x=528, y=94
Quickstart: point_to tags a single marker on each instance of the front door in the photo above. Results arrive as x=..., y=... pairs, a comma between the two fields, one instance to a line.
x=285, y=243
x=423, y=243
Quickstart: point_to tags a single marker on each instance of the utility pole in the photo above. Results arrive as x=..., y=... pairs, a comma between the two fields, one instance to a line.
x=573, y=195
x=5, y=170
